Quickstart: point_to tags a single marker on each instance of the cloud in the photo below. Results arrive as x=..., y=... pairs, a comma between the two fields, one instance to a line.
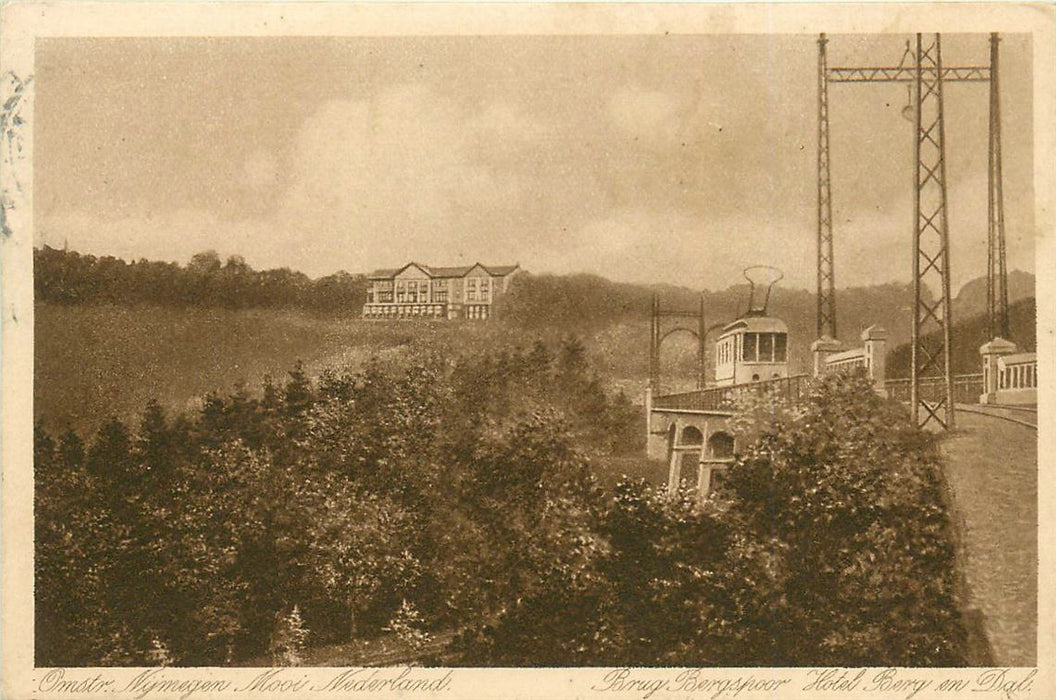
x=402, y=164
x=666, y=246
x=259, y=170
x=409, y=174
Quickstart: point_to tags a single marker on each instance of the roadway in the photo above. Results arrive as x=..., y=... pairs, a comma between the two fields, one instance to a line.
x=992, y=470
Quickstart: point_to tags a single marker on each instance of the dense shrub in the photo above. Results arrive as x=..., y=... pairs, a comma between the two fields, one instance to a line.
x=442, y=485
x=427, y=493
x=827, y=545
x=843, y=496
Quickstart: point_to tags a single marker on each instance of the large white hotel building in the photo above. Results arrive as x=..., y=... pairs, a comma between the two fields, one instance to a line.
x=423, y=291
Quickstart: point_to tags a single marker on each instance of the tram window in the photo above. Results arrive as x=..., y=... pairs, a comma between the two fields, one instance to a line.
x=749, y=347
x=780, y=347
x=766, y=347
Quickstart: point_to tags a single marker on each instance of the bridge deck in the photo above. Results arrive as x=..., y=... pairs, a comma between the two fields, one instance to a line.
x=992, y=469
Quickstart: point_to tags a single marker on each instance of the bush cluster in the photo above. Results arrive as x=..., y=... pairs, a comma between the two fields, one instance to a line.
x=827, y=544
x=426, y=494
x=423, y=492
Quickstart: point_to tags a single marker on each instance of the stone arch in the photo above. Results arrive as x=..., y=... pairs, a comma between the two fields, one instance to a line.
x=691, y=435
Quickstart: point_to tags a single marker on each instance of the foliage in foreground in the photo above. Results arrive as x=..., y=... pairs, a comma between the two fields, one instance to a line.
x=432, y=494
x=828, y=544
x=414, y=495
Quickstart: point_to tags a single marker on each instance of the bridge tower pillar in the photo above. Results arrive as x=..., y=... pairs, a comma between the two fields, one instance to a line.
x=821, y=349
x=996, y=348
x=874, y=343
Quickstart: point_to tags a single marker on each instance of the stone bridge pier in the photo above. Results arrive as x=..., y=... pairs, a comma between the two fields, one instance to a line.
x=697, y=444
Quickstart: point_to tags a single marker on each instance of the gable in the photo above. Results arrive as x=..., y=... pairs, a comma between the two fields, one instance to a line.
x=478, y=270
x=413, y=271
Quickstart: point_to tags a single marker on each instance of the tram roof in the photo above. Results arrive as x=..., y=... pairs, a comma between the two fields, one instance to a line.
x=755, y=324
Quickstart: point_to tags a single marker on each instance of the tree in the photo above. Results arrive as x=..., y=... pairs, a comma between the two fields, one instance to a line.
x=74, y=538
x=206, y=262
x=110, y=461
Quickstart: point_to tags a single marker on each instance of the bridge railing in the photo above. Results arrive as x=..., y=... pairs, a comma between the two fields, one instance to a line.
x=722, y=398
x=966, y=388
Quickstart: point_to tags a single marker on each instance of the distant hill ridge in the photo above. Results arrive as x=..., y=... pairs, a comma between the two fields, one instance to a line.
x=584, y=303
x=567, y=304
x=972, y=332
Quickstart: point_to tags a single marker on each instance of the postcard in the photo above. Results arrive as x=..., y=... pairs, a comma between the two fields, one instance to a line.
x=527, y=350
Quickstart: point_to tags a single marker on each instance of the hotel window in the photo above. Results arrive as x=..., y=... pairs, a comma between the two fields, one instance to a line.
x=440, y=291
x=401, y=293
x=471, y=290
x=370, y=296
x=423, y=291
x=485, y=289
x=412, y=292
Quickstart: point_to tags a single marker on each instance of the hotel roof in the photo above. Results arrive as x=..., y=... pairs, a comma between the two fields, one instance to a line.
x=444, y=272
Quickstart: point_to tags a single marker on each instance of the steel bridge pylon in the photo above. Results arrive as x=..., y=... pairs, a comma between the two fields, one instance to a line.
x=682, y=324
x=826, y=315
x=932, y=324
x=996, y=271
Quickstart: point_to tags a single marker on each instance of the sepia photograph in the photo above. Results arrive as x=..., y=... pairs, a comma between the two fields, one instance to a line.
x=633, y=347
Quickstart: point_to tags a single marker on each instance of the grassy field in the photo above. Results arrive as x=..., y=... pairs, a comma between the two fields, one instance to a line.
x=92, y=362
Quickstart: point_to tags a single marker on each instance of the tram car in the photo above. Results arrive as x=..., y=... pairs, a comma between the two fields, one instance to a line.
x=755, y=346
x=751, y=349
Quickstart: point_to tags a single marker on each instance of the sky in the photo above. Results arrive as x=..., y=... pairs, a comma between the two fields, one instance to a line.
x=650, y=158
